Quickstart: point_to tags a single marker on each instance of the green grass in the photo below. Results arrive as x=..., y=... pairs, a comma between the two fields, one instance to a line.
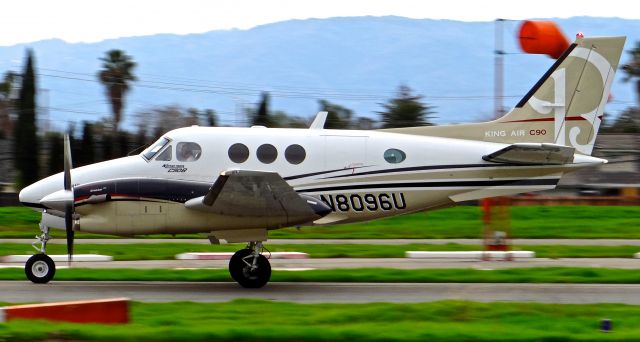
x=166, y=251
x=380, y=275
x=574, y=222
x=261, y=320
x=18, y=218
x=458, y=222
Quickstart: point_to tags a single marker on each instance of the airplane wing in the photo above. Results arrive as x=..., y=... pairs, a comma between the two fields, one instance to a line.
x=532, y=154
x=242, y=193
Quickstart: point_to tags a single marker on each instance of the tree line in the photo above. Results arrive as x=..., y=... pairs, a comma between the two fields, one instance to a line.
x=104, y=139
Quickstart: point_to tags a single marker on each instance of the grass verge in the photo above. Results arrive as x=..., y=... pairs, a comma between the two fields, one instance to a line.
x=588, y=222
x=260, y=320
x=166, y=251
x=380, y=275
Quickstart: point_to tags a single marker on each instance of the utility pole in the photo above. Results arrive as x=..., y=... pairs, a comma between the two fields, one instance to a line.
x=44, y=109
x=499, y=68
x=496, y=212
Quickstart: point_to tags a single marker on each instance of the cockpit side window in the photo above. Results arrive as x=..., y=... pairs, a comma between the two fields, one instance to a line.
x=153, y=150
x=165, y=155
x=188, y=151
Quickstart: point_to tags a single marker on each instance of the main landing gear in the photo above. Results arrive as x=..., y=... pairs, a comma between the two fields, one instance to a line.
x=249, y=267
x=40, y=268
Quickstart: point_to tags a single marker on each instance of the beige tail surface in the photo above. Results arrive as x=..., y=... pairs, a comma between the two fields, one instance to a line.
x=564, y=107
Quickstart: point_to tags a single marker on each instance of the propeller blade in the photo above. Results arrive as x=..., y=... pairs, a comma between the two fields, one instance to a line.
x=68, y=212
x=68, y=222
x=67, y=163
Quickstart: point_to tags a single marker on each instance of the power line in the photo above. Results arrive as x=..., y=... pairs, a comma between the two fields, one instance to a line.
x=238, y=85
x=229, y=90
x=237, y=91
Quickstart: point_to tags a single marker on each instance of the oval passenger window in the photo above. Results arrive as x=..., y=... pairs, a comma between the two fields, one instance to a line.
x=295, y=154
x=238, y=153
x=394, y=156
x=267, y=153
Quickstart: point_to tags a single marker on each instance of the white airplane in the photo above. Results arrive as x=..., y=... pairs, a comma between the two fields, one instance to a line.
x=237, y=184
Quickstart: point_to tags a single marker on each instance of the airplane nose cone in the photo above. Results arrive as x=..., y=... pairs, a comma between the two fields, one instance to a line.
x=32, y=195
x=28, y=196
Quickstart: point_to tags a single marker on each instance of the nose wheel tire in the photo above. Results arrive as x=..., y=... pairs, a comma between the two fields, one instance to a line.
x=40, y=268
x=246, y=273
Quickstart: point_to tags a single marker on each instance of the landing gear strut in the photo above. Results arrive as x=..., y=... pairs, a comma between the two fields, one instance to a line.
x=249, y=267
x=40, y=268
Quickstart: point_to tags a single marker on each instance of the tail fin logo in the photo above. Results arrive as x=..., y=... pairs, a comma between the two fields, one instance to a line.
x=560, y=108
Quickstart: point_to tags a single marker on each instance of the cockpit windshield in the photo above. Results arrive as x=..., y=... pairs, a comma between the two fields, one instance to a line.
x=153, y=150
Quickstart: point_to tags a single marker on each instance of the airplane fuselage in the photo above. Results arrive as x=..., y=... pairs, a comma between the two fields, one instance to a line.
x=359, y=175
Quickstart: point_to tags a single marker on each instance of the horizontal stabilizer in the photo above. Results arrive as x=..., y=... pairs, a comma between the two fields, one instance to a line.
x=532, y=154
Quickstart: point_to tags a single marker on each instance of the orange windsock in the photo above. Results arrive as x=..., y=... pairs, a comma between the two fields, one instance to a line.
x=543, y=37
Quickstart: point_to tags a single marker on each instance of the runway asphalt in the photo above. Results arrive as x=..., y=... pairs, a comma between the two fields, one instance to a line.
x=23, y=291
x=524, y=242
x=329, y=263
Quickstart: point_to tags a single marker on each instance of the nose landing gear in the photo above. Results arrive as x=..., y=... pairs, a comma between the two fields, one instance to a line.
x=249, y=268
x=40, y=268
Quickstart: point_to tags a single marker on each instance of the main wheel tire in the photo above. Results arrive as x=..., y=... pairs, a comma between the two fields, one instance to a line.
x=236, y=264
x=244, y=275
x=40, y=268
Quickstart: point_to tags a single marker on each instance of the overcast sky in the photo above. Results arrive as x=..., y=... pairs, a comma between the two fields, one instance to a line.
x=90, y=21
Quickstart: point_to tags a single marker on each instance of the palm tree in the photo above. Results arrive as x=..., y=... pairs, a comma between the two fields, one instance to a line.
x=632, y=69
x=116, y=75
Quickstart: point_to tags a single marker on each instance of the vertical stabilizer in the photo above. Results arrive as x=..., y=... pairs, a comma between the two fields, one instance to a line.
x=564, y=107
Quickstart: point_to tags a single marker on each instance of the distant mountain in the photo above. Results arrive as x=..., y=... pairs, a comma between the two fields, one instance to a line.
x=357, y=62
